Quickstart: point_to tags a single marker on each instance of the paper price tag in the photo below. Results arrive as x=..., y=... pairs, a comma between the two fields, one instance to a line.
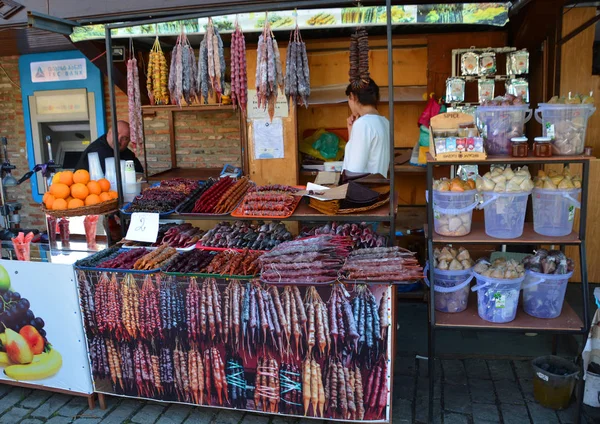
x=143, y=227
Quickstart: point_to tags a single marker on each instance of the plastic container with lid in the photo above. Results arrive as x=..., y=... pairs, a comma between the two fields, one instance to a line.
x=453, y=212
x=504, y=214
x=519, y=147
x=566, y=125
x=497, y=298
x=452, y=289
x=544, y=294
x=554, y=211
x=498, y=124
x=542, y=147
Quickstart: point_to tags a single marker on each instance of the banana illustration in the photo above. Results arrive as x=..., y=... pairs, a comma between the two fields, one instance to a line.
x=4, y=359
x=47, y=366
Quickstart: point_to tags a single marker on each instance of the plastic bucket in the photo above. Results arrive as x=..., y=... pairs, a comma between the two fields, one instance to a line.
x=544, y=294
x=498, y=124
x=566, y=125
x=553, y=381
x=497, y=298
x=554, y=211
x=453, y=212
x=504, y=214
x=451, y=287
x=591, y=393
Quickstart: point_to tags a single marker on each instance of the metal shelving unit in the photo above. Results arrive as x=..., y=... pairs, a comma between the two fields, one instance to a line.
x=567, y=323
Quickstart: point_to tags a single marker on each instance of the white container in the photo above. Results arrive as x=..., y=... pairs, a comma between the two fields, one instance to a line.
x=554, y=211
x=333, y=166
x=110, y=172
x=591, y=393
x=504, y=214
x=497, y=298
x=566, y=125
x=544, y=294
x=453, y=212
x=451, y=289
x=498, y=124
x=95, y=168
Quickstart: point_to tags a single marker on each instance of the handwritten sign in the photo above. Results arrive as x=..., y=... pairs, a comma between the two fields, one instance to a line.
x=143, y=227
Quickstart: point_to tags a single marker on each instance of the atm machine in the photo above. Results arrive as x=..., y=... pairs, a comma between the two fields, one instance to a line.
x=69, y=118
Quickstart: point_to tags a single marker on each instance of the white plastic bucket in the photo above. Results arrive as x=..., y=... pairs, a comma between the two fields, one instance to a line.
x=451, y=287
x=453, y=212
x=498, y=124
x=497, y=298
x=566, y=125
x=591, y=393
x=544, y=294
x=554, y=211
x=504, y=214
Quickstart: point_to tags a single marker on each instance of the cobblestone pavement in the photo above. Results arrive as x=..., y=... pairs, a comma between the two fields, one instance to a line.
x=475, y=391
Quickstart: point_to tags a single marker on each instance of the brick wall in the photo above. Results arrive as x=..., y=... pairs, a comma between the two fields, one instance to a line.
x=12, y=127
x=203, y=139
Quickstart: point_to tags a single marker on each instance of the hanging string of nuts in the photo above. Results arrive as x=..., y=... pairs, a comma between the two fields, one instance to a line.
x=157, y=76
x=297, y=74
x=359, y=59
x=210, y=78
x=182, y=79
x=239, y=80
x=135, y=104
x=269, y=75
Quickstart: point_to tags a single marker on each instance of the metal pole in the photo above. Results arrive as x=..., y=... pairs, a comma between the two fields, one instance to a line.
x=431, y=332
x=113, y=120
x=388, y=6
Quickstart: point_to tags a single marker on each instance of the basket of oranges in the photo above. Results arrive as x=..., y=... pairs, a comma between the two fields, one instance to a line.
x=74, y=194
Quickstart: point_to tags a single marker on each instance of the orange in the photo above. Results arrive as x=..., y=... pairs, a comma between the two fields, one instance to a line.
x=113, y=194
x=48, y=200
x=94, y=187
x=104, y=184
x=104, y=197
x=59, y=205
x=79, y=191
x=66, y=177
x=60, y=190
x=81, y=176
x=68, y=199
x=56, y=178
x=75, y=203
x=92, y=199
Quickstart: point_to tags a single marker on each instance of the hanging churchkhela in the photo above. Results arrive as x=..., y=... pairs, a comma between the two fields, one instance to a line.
x=239, y=80
x=211, y=64
x=182, y=79
x=269, y=75
x=136, y=127
x=359, y=58
x=157, y=76
x=297, y=74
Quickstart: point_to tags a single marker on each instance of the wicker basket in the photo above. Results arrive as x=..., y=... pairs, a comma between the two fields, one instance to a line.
x=103, y=208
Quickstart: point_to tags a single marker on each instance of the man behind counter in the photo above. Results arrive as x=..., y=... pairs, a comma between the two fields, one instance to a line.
x=104, y=147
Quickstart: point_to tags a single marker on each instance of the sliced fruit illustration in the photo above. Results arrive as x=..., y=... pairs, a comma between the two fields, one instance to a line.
x=33, y=339
x=47, y=366
x=17, y=348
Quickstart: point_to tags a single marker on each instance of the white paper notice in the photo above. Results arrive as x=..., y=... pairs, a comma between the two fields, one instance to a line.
x=255, y=112
x=143, y=227
x=268, y=138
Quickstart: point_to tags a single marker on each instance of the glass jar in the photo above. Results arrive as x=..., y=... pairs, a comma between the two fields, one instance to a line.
x=519, y=147
x=542, y=147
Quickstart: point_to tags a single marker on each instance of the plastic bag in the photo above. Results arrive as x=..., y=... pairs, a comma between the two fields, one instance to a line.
x=323, y=145
x=424, y=136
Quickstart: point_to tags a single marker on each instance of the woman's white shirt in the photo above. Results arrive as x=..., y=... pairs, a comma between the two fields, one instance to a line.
x=368, y=149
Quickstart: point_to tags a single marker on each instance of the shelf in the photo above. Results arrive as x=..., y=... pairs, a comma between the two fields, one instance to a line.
x=478, y=236
x=512, y=160
x=398, y=169
x=302, y=213
x=336, y=94
x=568, y=321
x=196, y=173
x=194, y=108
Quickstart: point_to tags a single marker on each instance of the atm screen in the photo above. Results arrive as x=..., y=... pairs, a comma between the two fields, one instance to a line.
x=70, y=160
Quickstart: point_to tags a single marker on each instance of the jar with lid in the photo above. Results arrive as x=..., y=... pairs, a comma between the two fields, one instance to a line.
x=542, y=147
x=519, y=147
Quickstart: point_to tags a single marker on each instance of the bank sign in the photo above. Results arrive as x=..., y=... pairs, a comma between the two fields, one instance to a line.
x=58, y=70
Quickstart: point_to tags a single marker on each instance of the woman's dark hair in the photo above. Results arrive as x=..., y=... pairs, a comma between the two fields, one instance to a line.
x=367, y=95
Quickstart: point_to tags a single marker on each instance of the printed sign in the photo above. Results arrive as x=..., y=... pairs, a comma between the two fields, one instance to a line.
x=64, y=103
x=41, y=336
x=255, y=112
x=58, y=70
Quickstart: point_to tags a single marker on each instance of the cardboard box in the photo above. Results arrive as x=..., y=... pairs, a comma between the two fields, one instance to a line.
x=452, y=121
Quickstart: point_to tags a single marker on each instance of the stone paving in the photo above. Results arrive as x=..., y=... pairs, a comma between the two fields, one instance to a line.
x=474, y=391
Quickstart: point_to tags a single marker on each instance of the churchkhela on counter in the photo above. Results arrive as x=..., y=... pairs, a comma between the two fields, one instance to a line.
x=245, y=235
x=385, y=264
x=165, y=197
x=362, y=235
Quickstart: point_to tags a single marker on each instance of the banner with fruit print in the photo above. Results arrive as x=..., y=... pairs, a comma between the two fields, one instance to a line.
x=41, y=332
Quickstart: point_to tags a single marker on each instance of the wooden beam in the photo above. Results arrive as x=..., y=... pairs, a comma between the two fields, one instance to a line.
x=579, y=30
